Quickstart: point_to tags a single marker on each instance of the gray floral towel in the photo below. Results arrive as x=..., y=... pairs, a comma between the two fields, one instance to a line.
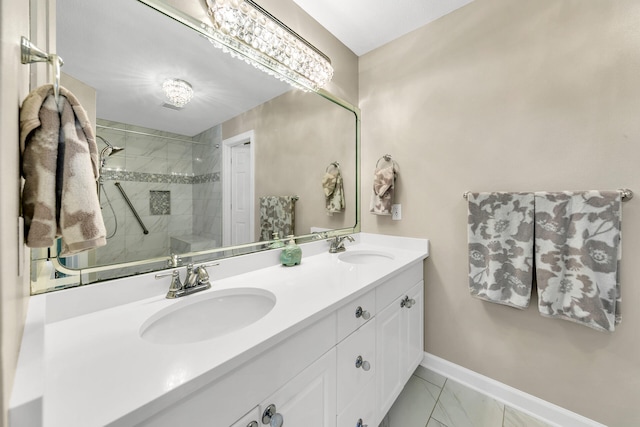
x=277, y=215
x=501, y=247
x=577, y=238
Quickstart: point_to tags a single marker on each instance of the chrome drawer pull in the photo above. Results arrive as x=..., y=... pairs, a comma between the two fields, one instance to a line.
x=271, y=417
x=407, y=302
x=360, y=363
x=362, y=313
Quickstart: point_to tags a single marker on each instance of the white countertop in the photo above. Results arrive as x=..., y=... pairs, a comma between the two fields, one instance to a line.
x=98, y=370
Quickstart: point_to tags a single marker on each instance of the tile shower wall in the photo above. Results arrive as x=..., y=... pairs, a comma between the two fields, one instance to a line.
x=207, y=188
x=169, y=185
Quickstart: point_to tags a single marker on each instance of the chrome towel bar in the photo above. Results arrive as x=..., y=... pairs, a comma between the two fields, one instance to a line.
x=625, y=194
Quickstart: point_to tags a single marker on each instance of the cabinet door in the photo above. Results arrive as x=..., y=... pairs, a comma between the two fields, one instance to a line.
x=309, y=399
x=361, y=408
x=252, y=417
x=389, y=337
x=399, y=346
x=413, y=319
x=356, y=365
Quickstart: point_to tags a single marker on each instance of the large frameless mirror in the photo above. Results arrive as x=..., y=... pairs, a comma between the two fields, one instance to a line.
x=243, y=161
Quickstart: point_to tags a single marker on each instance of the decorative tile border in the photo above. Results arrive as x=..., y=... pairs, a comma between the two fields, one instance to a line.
x=119, y=175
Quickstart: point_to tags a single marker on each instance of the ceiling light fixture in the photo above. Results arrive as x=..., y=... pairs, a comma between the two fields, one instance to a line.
x=178, y=92
x=247, y=31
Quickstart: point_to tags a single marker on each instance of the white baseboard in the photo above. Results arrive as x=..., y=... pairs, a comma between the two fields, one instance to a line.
x=530, y=405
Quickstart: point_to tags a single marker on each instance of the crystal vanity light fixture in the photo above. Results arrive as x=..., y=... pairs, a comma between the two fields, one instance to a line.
x=248, y=32
x=178, y=92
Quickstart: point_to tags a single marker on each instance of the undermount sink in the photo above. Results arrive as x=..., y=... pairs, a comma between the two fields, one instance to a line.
x=206, y=316
x=365, y=257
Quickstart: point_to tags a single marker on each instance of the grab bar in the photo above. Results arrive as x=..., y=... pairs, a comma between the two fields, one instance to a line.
x=126, y=199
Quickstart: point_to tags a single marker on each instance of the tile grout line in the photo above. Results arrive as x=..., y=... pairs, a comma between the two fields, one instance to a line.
x=437, y=400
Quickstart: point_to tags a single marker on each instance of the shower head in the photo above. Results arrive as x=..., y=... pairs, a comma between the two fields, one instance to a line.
x=110, y=149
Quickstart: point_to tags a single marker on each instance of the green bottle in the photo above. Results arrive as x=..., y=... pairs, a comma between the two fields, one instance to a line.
x=291, y=254
x=277, y=243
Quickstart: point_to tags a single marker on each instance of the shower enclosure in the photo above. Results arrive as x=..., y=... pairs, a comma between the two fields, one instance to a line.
x=172, y=182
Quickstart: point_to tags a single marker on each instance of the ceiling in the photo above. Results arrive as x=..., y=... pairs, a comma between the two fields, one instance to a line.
x=125, y=50
x=363, y=25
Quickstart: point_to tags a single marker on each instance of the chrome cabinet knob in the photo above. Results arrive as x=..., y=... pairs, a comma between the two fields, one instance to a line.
x=271, y=417
x=362, y=313
x=407, y=302
x=360, y=423
x=253, y=424
x=360, y=363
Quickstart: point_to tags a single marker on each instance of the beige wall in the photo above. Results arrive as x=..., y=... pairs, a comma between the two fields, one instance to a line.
x=14, y=288
x=292, y=152
x=279, y=127
x=344, y=61
x=514, y=95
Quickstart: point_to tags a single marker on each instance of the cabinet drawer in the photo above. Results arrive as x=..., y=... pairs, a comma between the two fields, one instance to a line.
x=362, y=407
x=397, y=285
x=351, y=378
x=355, y=314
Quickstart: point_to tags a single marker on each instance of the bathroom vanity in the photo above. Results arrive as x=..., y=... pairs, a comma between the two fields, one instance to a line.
x=330, y=342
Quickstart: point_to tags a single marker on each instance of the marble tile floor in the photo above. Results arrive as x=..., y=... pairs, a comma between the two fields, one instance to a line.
x=431, y=400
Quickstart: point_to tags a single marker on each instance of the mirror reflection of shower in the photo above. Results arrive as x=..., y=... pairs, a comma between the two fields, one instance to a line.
x=105, y=153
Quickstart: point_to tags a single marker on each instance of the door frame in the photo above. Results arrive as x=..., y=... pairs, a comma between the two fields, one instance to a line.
x=227, y=144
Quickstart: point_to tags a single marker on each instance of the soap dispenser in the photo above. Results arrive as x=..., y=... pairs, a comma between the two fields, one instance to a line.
x=291, y=254
x=277, y=243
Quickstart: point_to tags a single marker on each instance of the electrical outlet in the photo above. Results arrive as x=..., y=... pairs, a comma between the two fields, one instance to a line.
x=396, y=212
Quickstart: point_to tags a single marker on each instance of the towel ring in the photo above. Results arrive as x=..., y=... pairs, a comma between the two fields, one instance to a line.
x=387, y=158
x=333, y=164
x=30, y=53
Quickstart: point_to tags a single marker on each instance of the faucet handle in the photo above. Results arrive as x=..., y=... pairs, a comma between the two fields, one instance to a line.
x=202, y=273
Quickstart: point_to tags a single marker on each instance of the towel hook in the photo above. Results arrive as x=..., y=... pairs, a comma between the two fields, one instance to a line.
x=30, y=53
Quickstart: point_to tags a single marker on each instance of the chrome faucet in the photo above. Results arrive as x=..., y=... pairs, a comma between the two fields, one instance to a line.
x=197, y=280
x=337, y=244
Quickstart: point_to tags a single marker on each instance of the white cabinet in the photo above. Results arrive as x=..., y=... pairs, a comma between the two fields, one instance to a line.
x=310, y=398
x=356, y=376
x=251, y=419
x=399, y=344
x=349, y=366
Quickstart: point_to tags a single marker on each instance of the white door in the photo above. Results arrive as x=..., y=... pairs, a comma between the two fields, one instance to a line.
x=240, y=194
x=238, y=163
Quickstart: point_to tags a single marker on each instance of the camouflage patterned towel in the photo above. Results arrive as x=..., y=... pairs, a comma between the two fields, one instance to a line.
x=60, y=168
x=500, y=228
x=333, y=191
x=577, y=239
x=277, y=215
x=384, y=179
